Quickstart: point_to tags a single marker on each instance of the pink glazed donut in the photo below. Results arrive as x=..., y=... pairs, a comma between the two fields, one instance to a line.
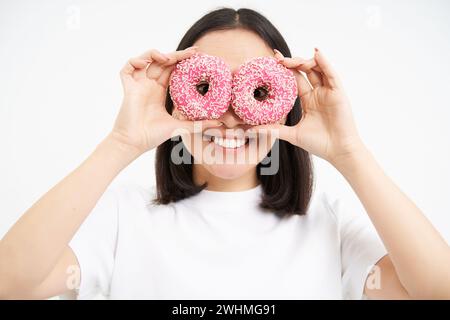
x=264, y=91
x=200, y=87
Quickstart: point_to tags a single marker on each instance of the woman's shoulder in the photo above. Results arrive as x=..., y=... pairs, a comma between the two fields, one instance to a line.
x=128, y=192
x=324, y=203
x=131, y=187
x=342, y=206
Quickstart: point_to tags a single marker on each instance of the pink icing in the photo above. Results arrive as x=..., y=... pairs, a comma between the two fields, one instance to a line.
x=281, y=85
x=190, y=72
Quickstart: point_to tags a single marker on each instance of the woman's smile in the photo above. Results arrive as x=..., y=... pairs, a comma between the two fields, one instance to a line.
x=227, y=142
x=227, y=147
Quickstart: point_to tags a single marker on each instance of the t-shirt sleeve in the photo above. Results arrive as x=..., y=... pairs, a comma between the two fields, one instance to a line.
x=94, y=246
x=361, y=247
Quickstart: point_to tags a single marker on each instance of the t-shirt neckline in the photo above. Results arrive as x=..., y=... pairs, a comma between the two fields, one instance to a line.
x=229, y=201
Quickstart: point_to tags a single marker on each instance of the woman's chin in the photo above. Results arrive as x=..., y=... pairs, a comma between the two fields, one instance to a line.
x=230, y=171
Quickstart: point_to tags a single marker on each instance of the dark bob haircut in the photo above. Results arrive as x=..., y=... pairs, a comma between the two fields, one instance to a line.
x=286, y=192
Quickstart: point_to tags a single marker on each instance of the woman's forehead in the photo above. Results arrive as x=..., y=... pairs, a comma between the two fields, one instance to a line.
x=233, y=46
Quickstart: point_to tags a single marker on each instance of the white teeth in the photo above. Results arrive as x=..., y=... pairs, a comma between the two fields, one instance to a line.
x=229, y=143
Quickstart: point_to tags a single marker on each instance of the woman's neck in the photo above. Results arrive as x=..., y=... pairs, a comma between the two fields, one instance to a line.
x=214, y=183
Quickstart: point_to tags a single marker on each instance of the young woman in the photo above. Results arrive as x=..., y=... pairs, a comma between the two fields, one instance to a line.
x=216, y=230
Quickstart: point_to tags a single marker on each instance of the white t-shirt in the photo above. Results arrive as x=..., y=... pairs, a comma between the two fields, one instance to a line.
x=220, y=245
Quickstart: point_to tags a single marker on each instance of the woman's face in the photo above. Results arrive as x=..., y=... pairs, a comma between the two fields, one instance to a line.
x=235, y=161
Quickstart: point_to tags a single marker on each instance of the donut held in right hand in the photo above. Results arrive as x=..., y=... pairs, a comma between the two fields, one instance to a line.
x=264, y=91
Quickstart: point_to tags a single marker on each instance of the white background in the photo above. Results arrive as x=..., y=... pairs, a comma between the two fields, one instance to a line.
x=60, y=90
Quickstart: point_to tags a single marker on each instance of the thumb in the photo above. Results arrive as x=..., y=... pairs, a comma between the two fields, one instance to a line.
x=279, y=131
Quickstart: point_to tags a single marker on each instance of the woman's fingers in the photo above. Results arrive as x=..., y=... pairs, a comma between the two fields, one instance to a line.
x=154, y=65
x=274, y=131
x=318, y=70
x=132, y=65
x=314, y=77
x=177, y=56
x=303, y=85
x=154, y=55
x=298, y=63
x=138, y=64
x=159, y=69
x=307, y=66
x=327, y=70
x=164, y=76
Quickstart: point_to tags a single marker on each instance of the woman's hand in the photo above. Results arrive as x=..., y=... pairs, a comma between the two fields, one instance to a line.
x=327, y=128
x=143, y=122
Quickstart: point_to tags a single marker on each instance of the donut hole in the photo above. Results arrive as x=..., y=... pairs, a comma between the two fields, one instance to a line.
x=261, y=93
x=202, y=87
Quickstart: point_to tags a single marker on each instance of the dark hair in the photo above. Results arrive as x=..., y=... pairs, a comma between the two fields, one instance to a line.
x=286, y=192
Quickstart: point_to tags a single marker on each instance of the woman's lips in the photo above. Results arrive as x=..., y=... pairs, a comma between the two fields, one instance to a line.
x=230, y=149
x=227, y=142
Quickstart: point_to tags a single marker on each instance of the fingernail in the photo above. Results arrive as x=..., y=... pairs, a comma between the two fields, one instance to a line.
x=278, y=53
x=278, y=56
x=316, y=49
x=191, y=48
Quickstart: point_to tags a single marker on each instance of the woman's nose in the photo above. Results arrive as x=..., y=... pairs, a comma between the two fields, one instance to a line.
x=230, y=119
